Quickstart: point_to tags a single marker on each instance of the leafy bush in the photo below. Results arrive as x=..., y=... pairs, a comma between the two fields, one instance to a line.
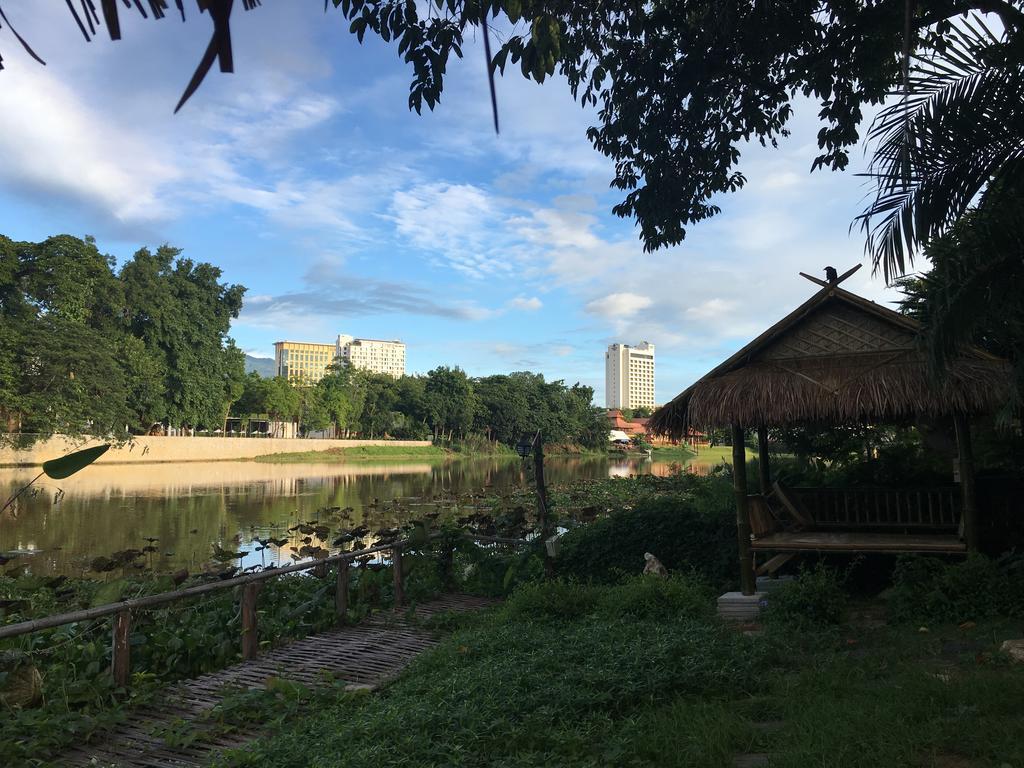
x=651, y=598
x=689, y=530
x=558, y=599
x=478, y=570
x=927, y=589
x=639, y=598
x=814, y=599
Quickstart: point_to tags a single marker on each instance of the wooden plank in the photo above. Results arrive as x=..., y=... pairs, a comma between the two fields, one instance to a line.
x=788, y=501
x=772, y=565
x=819, y=541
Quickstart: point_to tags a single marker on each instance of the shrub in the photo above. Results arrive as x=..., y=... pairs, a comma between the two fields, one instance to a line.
x=929, y=589
x=693, y=530
x=645, y=598
x=557, y=599
x=814, y=599
x=648, y=597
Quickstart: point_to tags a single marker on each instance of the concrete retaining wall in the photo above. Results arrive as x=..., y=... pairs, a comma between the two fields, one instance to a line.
x=156, y=449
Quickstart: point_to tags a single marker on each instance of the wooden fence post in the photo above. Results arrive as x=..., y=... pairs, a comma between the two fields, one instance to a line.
x=250, y=635
x=341, y=592
x=120, y=659
x=396, y=567
x=448, y=565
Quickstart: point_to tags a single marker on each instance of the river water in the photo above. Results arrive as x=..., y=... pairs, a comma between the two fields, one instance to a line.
x=187, y=507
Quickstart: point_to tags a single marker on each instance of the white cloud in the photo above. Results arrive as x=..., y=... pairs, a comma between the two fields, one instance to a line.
x=460, y=225
x=55, y=145
x=712, y=309
x=616, y=305
x=531, y=304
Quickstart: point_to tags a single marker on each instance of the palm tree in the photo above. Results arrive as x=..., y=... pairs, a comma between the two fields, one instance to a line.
x=972, y=294
x=957, y=130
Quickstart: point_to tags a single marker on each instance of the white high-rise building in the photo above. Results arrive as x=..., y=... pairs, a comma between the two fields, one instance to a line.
x=374, y=355
x=629, y=376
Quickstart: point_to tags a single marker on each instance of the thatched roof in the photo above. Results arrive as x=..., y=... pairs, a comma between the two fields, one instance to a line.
x=837, y=358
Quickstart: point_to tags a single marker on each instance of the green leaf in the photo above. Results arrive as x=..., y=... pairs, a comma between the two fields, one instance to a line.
x=66, y=466
x=111, y=592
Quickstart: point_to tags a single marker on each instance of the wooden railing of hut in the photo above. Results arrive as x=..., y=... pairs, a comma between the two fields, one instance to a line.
x=934, y=508
x=250, y=584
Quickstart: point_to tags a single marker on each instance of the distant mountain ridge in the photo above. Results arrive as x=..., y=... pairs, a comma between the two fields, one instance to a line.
x=264, y=366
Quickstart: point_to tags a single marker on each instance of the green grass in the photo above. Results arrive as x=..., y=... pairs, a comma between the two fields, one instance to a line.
x=672, y=452
x=636, y=675
x=718, y=454
x=364, y=452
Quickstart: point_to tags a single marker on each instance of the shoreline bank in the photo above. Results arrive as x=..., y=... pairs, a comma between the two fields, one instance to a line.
x=149, y=449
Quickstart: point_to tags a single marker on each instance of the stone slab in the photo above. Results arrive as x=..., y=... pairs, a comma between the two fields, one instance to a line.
x=735, y=606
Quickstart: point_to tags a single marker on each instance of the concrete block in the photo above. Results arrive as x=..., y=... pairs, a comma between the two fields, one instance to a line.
x=735, y=606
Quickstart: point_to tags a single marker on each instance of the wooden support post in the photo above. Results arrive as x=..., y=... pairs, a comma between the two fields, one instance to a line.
x=739, y=484
x=341, y=592
x=120, y=658
x=764, y=470
x=542, y=502
x=396, y=567
x=250, y=634
x=967, y=488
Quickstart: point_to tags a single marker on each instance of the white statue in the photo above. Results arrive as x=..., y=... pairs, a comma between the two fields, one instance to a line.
x=654, y=566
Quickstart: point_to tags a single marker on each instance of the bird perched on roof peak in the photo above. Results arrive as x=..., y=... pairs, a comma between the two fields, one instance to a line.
x=831, y=275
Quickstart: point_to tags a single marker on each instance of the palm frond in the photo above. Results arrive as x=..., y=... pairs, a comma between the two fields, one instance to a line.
x=88, y=22
x=960, y=122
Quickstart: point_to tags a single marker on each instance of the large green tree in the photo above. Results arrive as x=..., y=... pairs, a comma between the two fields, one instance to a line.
x=85, y=350
x=61, y=366
x=451, y=402
x=182, y=313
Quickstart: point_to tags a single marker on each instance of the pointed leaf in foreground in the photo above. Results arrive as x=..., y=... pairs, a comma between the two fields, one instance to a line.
x=65, y=466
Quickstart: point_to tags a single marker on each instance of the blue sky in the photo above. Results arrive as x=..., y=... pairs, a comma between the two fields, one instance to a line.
x=306, y=179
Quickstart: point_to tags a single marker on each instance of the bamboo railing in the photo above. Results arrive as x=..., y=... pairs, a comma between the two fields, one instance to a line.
x=934, y=508
x=250, y=584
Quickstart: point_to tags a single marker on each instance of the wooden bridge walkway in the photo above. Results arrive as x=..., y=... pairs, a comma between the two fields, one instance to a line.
x=365, y=654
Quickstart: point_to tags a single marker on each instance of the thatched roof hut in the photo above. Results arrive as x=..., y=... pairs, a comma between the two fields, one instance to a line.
x=837, y=358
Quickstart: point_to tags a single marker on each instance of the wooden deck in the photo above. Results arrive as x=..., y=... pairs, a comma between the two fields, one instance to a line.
x=365, y=654
x=822, y=541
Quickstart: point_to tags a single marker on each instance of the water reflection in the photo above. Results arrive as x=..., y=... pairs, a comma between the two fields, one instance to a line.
x=189, y=506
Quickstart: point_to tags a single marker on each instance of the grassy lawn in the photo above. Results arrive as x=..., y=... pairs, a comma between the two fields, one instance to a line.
x=672, y=452
x=643, y=674
x=338, y=455
x=718, y=454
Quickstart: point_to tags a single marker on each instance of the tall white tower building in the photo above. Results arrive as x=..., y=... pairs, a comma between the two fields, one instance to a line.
x=629, y=376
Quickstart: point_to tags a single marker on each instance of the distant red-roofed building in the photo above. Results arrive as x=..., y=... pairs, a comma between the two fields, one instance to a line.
x=638, y=426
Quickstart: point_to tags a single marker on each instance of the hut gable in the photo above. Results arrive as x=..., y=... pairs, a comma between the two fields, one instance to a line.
x=837, y=358
x=839, y=328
